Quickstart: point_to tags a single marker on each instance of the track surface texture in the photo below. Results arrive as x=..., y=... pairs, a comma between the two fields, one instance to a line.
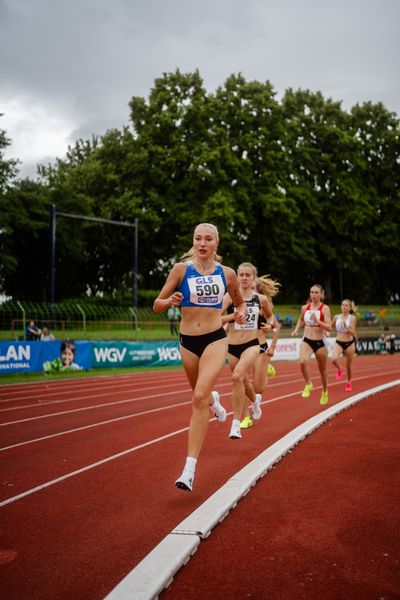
x=88, y=470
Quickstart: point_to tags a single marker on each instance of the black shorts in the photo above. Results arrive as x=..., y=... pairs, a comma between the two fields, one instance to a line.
x=345, y=345
x=198, y=343
x=238, y=349
x=314, y=344
x=263, y=348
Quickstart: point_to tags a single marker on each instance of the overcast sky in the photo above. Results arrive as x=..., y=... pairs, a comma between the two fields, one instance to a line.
x=68, y=68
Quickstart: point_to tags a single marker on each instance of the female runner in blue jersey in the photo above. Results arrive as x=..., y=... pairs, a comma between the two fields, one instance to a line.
x=198, y=284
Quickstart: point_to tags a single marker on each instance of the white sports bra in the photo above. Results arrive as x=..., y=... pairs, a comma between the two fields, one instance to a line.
x=342, y=325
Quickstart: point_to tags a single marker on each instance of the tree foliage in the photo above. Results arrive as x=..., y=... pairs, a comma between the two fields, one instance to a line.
x=300, y=187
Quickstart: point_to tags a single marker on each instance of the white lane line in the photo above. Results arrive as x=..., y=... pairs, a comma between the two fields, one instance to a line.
x=85, y=381
x=39, y=404
x=156, y=571
x=222, y=383
x=83, y=408
x=73, y=386
x=94, y=406
x=32, y=441
x=115, y=456
x=146, y=412
x=88, y=467
x=93, y=380
x=53, y=435
x=187, y=390
x=117, y=386
x=116, y=389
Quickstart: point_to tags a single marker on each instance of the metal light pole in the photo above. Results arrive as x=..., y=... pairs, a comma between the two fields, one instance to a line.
x=54, y=213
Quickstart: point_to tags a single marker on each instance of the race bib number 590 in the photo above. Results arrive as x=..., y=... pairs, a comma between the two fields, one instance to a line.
x=206, y=291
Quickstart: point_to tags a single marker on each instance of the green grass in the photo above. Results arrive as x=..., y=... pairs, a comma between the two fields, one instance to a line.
x=104, y=331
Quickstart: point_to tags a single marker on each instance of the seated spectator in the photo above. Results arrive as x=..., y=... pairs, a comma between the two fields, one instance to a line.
x=381, y=346
x=369, y=317
x=389, y=341
x=47, y=336
x=386, y=342
x=32, y=332
x=288, y=321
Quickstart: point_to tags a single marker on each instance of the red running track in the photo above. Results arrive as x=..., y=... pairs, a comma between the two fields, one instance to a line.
x=323, y=524
x=88, y=468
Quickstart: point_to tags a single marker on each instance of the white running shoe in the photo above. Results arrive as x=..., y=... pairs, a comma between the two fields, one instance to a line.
x=234, y=433
x=185, y=482
x=256, y=411
x=217, y=409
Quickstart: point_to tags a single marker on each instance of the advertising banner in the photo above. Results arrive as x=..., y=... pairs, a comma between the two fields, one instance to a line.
x=25, y=357
x=388, y=345
x=20, y=357
x=287, y=349
x=135, y=354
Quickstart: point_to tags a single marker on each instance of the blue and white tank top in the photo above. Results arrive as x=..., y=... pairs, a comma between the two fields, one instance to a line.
x=204, y=291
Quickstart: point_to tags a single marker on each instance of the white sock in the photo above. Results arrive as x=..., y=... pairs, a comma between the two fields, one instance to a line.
x=215, y=403
x=236, y=422
x=190, y=465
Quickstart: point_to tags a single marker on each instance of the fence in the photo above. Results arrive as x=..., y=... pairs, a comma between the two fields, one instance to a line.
x=78, y=320
x=96, y=329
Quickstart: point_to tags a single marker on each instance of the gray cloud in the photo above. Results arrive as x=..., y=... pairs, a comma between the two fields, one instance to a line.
x=81, y=62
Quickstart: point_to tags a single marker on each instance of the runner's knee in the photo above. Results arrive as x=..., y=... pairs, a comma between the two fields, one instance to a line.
x=200, y=400
x=237, y=378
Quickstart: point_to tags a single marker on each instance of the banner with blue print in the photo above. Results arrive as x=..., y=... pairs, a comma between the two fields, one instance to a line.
x=135, y=354
x=26, y=357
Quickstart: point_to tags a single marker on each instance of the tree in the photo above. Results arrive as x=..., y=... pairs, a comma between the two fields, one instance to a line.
x=8, y=171
x=8, y=167
x=24, y=241
x=376, y=174
x=303, y=189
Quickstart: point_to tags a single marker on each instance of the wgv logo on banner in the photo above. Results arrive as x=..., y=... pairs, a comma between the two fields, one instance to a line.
x=112, y=355
x=135, y=354
x=167, y=354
